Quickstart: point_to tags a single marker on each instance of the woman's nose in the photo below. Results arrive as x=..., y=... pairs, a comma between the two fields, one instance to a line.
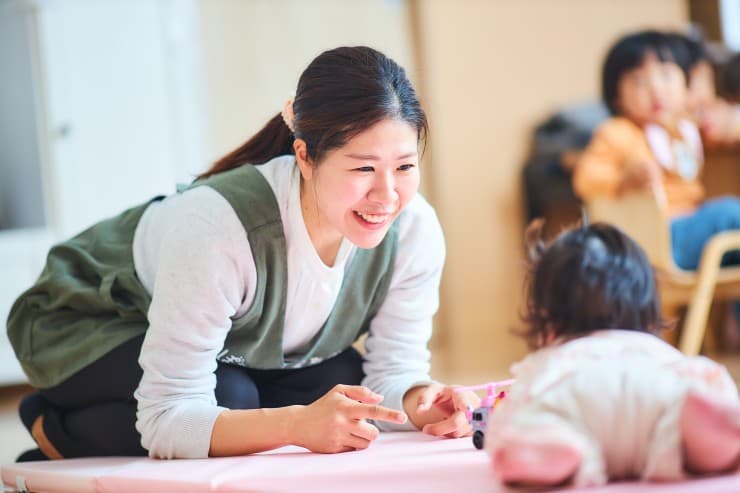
x=384, y=189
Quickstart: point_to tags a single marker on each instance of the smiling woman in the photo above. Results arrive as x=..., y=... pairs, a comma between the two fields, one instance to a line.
x=240, y=297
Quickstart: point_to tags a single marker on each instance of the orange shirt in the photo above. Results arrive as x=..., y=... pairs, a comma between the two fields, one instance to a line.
x=616, y=142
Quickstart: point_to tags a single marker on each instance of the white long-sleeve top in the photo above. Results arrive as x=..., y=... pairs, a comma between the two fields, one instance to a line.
x=192, y=254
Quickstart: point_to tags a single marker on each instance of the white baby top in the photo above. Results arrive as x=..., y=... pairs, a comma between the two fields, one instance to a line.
x=616, y=395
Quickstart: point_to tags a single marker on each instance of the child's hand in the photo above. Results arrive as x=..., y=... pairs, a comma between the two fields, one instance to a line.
x=639, y=175
x=337, y=421
x=438, y=410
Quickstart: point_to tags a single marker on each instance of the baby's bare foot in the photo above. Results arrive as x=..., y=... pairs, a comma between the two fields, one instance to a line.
x=710, y=431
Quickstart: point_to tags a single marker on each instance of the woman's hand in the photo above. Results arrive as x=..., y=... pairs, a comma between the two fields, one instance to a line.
x=337, y=421
x=438, y=410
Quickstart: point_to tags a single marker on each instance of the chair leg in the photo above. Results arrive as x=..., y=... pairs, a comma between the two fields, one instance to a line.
x=695, y=325
x=698, y=310
x=710, y=344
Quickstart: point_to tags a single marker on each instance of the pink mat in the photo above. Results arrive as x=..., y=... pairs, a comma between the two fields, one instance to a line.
x=404, y=462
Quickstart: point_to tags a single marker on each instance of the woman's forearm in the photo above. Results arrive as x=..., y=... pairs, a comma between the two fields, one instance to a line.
x=336, y=422
x=247, y=431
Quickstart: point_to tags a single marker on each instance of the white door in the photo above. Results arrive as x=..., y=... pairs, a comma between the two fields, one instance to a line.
x=117, y=119
x=116, y=116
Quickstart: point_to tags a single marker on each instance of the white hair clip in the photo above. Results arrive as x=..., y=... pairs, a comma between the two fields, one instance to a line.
x=289, y=114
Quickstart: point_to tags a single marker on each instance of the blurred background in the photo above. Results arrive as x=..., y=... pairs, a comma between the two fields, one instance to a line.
x=105, y=103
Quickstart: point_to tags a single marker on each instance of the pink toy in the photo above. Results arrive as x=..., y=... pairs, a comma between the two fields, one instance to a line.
x=478, y=418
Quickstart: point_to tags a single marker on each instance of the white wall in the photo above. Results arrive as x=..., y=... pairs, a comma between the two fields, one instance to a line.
x=730, y=16
x=99, y=111
x=21, y=191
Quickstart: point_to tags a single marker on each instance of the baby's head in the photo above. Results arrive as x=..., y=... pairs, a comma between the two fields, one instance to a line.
x=589, y=278
x=642, y=81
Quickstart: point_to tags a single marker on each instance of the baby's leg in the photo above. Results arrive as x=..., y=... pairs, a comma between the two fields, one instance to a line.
x=523, y=462
x=710, y=432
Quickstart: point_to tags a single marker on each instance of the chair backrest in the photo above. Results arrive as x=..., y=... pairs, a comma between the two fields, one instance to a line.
x=642, y=217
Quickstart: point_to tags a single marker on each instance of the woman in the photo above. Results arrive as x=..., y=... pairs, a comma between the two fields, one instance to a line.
x=241, y=296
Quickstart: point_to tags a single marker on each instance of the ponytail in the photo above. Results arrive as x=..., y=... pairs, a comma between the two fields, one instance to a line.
x=274, y=139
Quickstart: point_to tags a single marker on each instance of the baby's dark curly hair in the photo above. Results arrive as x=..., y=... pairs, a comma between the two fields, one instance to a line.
x=589, y=278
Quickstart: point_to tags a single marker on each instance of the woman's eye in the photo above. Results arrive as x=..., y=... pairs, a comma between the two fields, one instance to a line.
x=406, y=167
x=365, y=169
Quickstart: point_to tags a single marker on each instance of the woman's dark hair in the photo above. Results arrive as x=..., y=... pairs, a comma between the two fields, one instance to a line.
x=342, y=93
x=589, y=278
x=629, y=53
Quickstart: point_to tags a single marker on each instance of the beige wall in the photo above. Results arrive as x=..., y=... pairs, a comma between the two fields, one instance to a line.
x=490, y=70
x=487, y=71
x=255, y=50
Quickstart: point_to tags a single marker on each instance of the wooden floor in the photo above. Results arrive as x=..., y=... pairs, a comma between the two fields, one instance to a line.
x=14, y=438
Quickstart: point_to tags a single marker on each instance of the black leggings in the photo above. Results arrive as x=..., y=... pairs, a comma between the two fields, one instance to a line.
x=93, y=412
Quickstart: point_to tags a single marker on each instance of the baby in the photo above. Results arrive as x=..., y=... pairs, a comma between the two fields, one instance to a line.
x=602, y=397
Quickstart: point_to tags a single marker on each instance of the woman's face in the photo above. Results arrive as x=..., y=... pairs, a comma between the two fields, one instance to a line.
x=654, y=92
x=357, y=190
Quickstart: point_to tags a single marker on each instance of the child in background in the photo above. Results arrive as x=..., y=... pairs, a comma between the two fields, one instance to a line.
x=721, y=125
x=602, y=397
x=650, y=144
x=693, y=58
x=718, y=118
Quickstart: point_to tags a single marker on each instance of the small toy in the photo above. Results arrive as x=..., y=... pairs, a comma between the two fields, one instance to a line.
x=478, y=417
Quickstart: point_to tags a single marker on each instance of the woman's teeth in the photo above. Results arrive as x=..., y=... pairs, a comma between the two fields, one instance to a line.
x=372, y=218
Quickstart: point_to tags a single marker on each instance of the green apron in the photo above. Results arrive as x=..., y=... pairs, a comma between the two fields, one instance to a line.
x=88, y=299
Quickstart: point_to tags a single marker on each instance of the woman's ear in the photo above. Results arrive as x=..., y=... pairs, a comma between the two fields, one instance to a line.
x=301, y=157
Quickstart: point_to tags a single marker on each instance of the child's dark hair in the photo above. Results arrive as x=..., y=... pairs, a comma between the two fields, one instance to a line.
x=589, y=278
x=629, y=53
x=687, y=51
x=731, y=79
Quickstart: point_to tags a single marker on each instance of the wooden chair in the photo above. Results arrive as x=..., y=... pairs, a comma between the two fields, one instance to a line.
x=643, y=218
